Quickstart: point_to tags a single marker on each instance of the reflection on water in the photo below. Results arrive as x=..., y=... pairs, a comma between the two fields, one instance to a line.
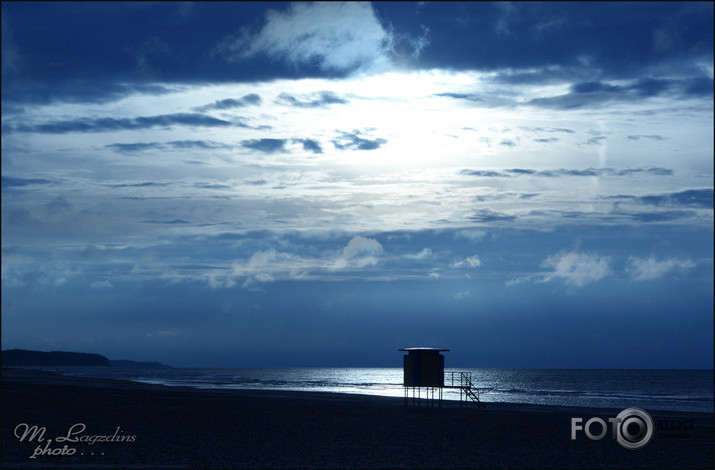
x=684, y=390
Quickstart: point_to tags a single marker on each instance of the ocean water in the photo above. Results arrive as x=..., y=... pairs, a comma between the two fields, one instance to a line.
x=676, y=390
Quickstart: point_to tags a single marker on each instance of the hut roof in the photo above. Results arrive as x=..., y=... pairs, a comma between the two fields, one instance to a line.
x=423, y=349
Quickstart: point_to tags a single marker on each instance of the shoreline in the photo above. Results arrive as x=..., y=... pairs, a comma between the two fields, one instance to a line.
x=185, y=427
x=35, y=373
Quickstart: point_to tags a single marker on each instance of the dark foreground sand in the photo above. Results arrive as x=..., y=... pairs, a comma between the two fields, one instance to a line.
x=179, y=427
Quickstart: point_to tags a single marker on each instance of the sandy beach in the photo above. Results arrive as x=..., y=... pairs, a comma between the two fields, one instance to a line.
x=115, y=424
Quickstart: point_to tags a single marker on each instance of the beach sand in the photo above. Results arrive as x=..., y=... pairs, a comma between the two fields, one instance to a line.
x=150, y=426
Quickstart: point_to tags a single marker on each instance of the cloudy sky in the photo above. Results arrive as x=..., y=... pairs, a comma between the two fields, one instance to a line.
x=320, y=184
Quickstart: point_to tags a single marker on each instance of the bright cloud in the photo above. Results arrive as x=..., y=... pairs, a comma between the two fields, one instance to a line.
x=270, y=150
x=470, y=262
x=338, y=36
x=360, y=252
x=271, y=265
x=577, y=268
x=649, y=269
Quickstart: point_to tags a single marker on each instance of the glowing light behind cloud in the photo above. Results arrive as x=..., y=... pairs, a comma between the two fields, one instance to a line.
x=239, y=158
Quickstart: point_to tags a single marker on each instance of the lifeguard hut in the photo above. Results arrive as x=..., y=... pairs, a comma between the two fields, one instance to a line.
x=424, y=369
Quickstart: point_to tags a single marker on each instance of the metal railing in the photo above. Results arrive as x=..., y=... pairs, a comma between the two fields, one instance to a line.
x=463, y=381
x=460, y=379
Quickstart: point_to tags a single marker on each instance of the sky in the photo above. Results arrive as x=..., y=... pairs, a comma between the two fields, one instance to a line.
x=529, y=185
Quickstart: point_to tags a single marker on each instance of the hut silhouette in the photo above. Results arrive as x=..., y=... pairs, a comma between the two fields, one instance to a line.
x=423, y=368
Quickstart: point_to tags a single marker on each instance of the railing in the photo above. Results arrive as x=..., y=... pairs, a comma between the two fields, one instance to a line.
x=460, y=380
x=463, y=381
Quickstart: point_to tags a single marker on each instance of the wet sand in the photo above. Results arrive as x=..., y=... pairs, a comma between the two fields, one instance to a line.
x=149, y=426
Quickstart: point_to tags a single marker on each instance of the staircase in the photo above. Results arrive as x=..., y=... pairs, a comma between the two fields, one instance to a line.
x=473, y=393
x=463, y=381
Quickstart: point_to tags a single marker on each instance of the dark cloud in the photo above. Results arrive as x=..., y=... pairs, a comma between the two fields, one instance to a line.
x=145, y=198
x=196, y=144
x=598, y=92
x=500, y=196
x=656, y=171
x=659, y=216
x=314, y=100
x=166, y=222
x=10, y=110
x=670, y=202
x=146, y=184
x=538, y=76
x=699, y=86
x=310, y=145
x=212, y=186
x=550, y=140
x=353, y=141
x=618, y=40
x=483, y=173
x=650, y=137
x=107, y=124
x=700, y=198
x=564, y=214
x=647, y=87
x=13, y=182
x=594, y=140
x=33, y=90
x=586, y=172
x=461, y=96
x=524, y=171
x=230, y=103
x=488, y=215
x=177, y=144
x=591, y=87
x=265, y=145
x=535, y=43
x=134, y=147
x=553, y=129
x=104, y=52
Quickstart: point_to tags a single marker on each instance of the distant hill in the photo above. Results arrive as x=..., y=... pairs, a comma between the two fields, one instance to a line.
x=27, y=358
x=22, y=357
x=139, y=365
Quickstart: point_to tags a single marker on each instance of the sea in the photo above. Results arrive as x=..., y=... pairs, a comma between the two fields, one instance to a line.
x=674, y=390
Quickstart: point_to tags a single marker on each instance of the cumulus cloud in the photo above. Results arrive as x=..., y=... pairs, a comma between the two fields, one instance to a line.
x=360, y=252
x=271, y=265
x=470, y=262
x=424, y=254
x=649, y=269
x=335, y=36
x=263, y=266
x=577, y=268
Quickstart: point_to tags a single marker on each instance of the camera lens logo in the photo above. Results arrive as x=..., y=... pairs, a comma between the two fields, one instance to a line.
x=634, y=428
